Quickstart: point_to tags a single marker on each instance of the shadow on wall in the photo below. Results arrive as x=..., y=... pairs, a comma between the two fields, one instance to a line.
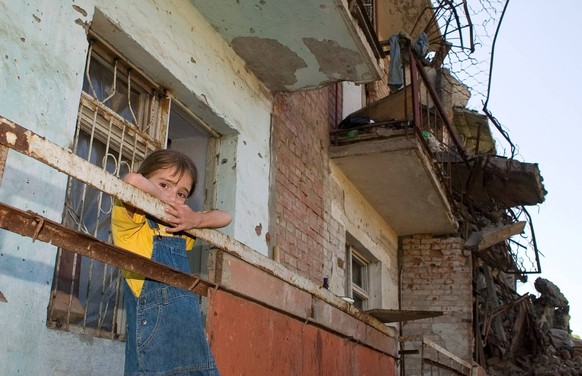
x=32, y=189
x=17, y=263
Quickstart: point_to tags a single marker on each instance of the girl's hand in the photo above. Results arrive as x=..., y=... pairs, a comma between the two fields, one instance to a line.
x=182, y=218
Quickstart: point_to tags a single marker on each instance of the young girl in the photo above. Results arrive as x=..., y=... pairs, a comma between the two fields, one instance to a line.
x=164, y=329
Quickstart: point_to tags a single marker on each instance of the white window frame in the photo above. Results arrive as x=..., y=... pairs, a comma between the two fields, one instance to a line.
x=353, y=290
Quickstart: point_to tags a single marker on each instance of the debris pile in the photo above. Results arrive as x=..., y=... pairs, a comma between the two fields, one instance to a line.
x=524, y=335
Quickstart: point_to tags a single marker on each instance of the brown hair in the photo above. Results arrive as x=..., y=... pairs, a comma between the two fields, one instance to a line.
x=166, y=158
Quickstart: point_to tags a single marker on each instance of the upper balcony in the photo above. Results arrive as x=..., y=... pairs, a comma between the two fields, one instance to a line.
x=401, y=161
x=295, y=45
x=418, y=151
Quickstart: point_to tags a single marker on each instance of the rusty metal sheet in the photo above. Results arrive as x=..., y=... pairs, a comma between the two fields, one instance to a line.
x=41, y=228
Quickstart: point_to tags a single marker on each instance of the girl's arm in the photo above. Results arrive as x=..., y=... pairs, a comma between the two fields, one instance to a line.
x=144, y=184
x=182, y=218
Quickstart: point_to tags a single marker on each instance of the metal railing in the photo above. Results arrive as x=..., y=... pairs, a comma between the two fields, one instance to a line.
x=431, y=120
x=26, y=142
x=415, y=108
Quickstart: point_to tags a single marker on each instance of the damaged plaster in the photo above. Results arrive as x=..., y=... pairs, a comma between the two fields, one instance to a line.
x=334, y=60
x=281, y=58
x=262, y=54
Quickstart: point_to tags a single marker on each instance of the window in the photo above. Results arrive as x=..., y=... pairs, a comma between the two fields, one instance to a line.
x=123, y=115
x=358, y=280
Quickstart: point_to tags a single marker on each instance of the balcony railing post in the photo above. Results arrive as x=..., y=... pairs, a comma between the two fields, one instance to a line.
x=415, y=87
x=415, y=66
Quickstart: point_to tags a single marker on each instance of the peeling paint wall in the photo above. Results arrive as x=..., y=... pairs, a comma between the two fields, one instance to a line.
x=186, y=55
x=403, y=16
x=44, y=47
x=264, y=34
x=43, y=55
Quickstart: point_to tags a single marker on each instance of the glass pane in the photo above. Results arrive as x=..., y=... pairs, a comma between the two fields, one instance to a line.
x=357, y=273
x=358, y=302
x=187, y=136
x=108, y=85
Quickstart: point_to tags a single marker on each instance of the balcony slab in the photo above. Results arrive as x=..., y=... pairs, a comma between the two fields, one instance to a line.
x=399, y=178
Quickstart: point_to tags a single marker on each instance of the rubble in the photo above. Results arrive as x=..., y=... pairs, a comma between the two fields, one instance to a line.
x=522, y=334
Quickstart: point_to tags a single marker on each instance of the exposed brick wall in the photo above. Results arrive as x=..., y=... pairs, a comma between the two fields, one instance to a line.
x=378, y=89
x=437, y=276
x=305, y=235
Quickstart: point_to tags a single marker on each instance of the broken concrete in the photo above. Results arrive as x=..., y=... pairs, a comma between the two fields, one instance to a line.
x=533, y=337
x=494, y=182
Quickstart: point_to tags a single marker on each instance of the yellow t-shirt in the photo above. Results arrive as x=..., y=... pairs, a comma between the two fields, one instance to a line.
x=134, y=234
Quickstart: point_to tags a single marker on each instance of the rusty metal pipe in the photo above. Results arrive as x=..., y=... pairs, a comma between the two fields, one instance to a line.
x=39, y=228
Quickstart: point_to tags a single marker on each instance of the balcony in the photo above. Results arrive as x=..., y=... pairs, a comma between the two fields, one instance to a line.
x=401, y=161
x=295, y=45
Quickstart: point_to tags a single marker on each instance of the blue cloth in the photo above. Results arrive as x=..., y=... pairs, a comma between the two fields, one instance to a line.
x=421, y=46
x=164, y=327
x=395, y=74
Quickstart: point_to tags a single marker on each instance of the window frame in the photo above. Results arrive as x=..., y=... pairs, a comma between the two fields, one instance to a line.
x=126, y=145
x=360, y=294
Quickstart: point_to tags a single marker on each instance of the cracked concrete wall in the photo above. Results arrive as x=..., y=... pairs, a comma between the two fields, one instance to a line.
x=44, y=47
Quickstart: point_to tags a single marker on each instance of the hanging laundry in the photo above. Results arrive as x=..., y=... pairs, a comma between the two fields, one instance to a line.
x=395, y=74
x=421, y=46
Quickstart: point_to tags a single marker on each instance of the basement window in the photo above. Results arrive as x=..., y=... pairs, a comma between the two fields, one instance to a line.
x=123, y=116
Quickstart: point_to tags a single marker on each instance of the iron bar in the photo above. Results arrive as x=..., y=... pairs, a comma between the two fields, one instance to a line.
x=415, y=87
x=27, y=223
x=418, y=68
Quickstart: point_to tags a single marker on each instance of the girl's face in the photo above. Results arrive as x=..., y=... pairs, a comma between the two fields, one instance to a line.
x=175, y=188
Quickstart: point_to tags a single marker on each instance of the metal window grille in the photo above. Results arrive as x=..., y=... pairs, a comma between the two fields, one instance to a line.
x=122, y=117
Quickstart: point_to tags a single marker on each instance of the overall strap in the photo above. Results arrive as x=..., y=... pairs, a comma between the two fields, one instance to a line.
x=152, y=222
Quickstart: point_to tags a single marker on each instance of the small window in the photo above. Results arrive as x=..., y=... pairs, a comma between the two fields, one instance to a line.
x=358, y=278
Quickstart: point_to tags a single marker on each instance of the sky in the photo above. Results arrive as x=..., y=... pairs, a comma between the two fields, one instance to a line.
x=536, y=94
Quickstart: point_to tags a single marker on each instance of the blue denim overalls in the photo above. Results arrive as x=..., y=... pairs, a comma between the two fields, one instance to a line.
x=164, y=329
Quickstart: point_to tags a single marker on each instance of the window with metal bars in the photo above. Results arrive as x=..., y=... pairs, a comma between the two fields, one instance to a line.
x=123, y=115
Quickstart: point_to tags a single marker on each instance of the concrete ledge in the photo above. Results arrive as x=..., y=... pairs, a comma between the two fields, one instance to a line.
x=331, y=317
x=259, y=286
x=241, y=277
